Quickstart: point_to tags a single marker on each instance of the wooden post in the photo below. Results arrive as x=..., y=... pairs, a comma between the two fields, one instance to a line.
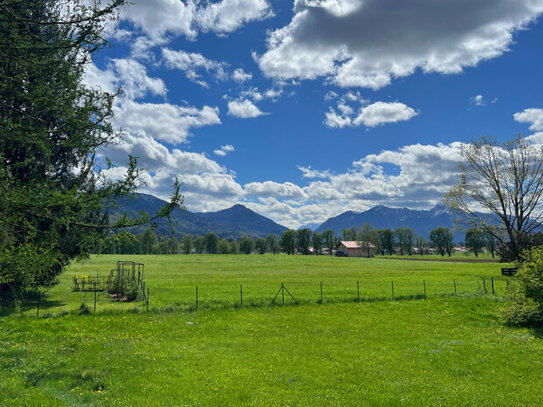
x=358, y=291
x=506, y=286
x=393, y=291
x=492, y=280
x=283, y=292
x=424, y=286
x=95, y=301
x=454, y=282
x=196, y=297
x=241, y=295
x=38, y=307
x=484, y=285
x=147, y=299
x=321, y=292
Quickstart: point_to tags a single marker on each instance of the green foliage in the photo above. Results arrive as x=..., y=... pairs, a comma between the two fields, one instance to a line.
x=260, y=245
x=330, y=240
x=303, y=240
x=187, y=244
x=51, y=126
x=211, y=240
x=246, y=245
x=288, y=241
x=406, y=240
x=317, y=243
x=524, y=304
x=442, y=239
x=199, y=244
x=272, y=244
x=386, y=237
x=475, y=240
x=223, y=247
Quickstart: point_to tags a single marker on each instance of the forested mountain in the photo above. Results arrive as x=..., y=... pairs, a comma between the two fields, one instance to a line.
x=230, y=223
x=382, y=217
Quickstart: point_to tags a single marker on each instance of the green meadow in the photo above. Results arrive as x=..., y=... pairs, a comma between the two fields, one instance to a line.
x=445, y=350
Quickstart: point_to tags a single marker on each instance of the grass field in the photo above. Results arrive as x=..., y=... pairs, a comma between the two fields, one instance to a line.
x=446, y=350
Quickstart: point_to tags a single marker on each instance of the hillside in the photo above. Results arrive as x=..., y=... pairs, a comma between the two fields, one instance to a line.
x=230, y=223
x=382, y=217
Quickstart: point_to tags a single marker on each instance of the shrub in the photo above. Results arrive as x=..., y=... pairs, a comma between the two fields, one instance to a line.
x=524, y=305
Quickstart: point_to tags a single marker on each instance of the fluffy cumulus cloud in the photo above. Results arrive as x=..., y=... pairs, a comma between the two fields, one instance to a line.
x=228, y=15
x=164, y=121
x=532, y=116
x=371, y=115
x=244, y=109
x=366, y=43
x=192, y=63
x=240, y=75
x=158, y=18
x=125, y=73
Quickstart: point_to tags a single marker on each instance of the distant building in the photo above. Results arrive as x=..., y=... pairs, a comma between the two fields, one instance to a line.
x=352, y=248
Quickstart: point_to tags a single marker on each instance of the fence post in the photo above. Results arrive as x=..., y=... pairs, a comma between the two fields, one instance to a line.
x=484, y=285
x=321, y=292
x=241, y=295
x=358, y=291
x=424, y=285
x=492, y=279
x=147, y=299
x=283, y=292
x=196, y=297
x=95, y=301
x=506, y=287
x=393, y=291
x=454, y=282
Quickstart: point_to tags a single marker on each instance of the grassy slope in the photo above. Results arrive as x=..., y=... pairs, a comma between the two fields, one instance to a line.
x=443, y=351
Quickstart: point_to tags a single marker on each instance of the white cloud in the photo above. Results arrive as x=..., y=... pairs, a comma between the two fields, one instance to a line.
x=478, y=100
x=227, y=16
x=224, y=150
x=371, y=115
x=244, y=109
x=158, y=19
x=191, y=63
x=380, y=112
x=533, y=116
x=240, y=75
x=308, y=172
x=163, y=121
x=367, y=43
x=132, y=76
x=274, y=189
x=127, y=74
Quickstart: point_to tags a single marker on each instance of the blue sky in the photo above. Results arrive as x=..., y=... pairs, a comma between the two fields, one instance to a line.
x=303, y=110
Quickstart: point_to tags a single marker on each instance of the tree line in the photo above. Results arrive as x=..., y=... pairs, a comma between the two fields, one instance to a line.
x=402, y=241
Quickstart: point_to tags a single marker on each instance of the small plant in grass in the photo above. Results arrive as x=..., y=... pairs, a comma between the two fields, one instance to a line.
x=524, y=305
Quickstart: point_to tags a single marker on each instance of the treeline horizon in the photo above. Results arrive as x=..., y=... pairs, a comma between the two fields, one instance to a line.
x=402, y=241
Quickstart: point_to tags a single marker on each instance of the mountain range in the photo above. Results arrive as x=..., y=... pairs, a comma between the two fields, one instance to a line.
x=234, y=222
x=231, y=223
x=383, y=217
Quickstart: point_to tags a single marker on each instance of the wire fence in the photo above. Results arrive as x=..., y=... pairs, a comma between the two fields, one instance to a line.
x=215, y=296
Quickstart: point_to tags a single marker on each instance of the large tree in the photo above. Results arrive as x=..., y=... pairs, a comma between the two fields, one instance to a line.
x=303, y=240
x=442, y=239
x=505, y=180
x=51, y=127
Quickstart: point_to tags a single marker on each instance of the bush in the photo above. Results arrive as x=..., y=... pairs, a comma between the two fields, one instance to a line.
x=524, y=305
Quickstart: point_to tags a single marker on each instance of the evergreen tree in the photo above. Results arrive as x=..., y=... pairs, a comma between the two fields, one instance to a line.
x=51, y=126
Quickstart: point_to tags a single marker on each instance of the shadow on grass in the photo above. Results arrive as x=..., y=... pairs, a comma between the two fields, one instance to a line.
x=29, y=302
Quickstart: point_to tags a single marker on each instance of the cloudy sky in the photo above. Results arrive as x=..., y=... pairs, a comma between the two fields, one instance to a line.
x=302, y=110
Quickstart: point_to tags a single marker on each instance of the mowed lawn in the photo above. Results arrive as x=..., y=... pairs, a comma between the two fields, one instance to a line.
x=446, y=350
